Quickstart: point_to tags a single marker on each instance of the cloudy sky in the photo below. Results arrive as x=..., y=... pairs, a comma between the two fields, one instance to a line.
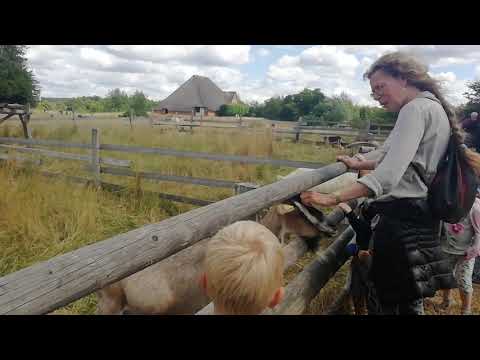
x=256, y=72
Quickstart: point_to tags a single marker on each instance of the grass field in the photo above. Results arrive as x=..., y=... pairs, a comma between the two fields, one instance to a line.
x=43, y=217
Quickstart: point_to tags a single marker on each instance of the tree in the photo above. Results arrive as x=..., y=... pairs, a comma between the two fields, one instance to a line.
x=116, y=101
x=255, y=109
x=17, y=83
x=44, y=105
x=374, y=115
x=288, y=112
x=139, y=104
x=272, y=108
x=473, y=96
x=306, y=100
x=233, y=109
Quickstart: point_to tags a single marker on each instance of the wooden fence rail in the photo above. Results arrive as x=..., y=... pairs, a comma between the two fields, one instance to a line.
x=174, y=178
x=209, y=156
x=118, y=188
x=168, y=152
x=67, y=156
x=305, y=286
x=46, y=286
x=96, y=160
x=52, y=143
x=329, y=132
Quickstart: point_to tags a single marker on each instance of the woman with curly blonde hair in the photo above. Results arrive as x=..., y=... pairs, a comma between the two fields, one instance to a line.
x=407, y=264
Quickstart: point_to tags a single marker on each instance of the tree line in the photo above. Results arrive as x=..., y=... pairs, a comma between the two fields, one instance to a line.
x=115, y=101
x=314, y=108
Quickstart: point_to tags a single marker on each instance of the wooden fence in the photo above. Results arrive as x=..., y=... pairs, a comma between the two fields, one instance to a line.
x=329, y=131
x=120, y=167
x=48, y=285
x=22, y=111
x=375, y=132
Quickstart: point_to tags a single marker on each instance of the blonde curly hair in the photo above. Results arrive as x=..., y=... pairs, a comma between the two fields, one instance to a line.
x=406, y=66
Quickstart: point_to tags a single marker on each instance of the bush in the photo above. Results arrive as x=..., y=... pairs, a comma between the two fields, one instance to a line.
x=233, y=109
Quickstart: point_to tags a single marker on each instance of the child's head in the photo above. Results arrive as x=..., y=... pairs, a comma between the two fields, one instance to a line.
x=244, y=269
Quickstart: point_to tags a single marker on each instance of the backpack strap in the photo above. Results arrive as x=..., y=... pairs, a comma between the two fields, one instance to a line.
x=420, y=175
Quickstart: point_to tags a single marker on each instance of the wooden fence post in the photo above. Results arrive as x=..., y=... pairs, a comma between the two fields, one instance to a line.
x=96, y=157
x=297, y=128
x=130, y=117
x=27, y=112
x=240, y=188
x=26, y=131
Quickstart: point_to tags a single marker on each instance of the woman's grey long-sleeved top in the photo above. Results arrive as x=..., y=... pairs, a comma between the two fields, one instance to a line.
x=420, y=136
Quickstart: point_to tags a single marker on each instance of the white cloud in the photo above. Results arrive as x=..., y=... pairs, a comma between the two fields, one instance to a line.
x=477, y=72
x=65, y=71
x=326, y=67
x=452, y=87
x=96, y=56
x=329, y=57
x=200, y=54
x=159, y=69
x=263, y=52
x=445, y=76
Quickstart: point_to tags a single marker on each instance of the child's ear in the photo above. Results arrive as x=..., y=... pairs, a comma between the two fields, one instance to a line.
x=203, y=282
x=277, y=297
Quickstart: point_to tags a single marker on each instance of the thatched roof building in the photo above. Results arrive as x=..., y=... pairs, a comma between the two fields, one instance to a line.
x=198, y=94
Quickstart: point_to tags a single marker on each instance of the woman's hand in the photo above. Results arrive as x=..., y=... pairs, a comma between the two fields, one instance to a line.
x=363, y=255
x=351, y=162
x=311, y=198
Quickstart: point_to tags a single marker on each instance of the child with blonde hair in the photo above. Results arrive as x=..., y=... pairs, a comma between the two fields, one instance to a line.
x=243, y=269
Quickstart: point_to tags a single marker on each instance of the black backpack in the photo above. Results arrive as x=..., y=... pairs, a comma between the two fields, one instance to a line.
x=453, y=189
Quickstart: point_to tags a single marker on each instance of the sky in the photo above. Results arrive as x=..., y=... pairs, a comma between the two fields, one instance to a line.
x=256, y=72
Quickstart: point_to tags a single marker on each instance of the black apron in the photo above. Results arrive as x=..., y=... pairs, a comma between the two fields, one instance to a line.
x=407, y=262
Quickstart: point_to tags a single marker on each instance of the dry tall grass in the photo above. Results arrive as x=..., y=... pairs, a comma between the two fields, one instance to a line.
x=43, y=217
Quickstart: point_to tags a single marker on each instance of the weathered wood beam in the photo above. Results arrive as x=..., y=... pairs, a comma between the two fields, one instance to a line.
x=67, y=156
x=208, y=156
x=6, y=117
x=173, y=178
